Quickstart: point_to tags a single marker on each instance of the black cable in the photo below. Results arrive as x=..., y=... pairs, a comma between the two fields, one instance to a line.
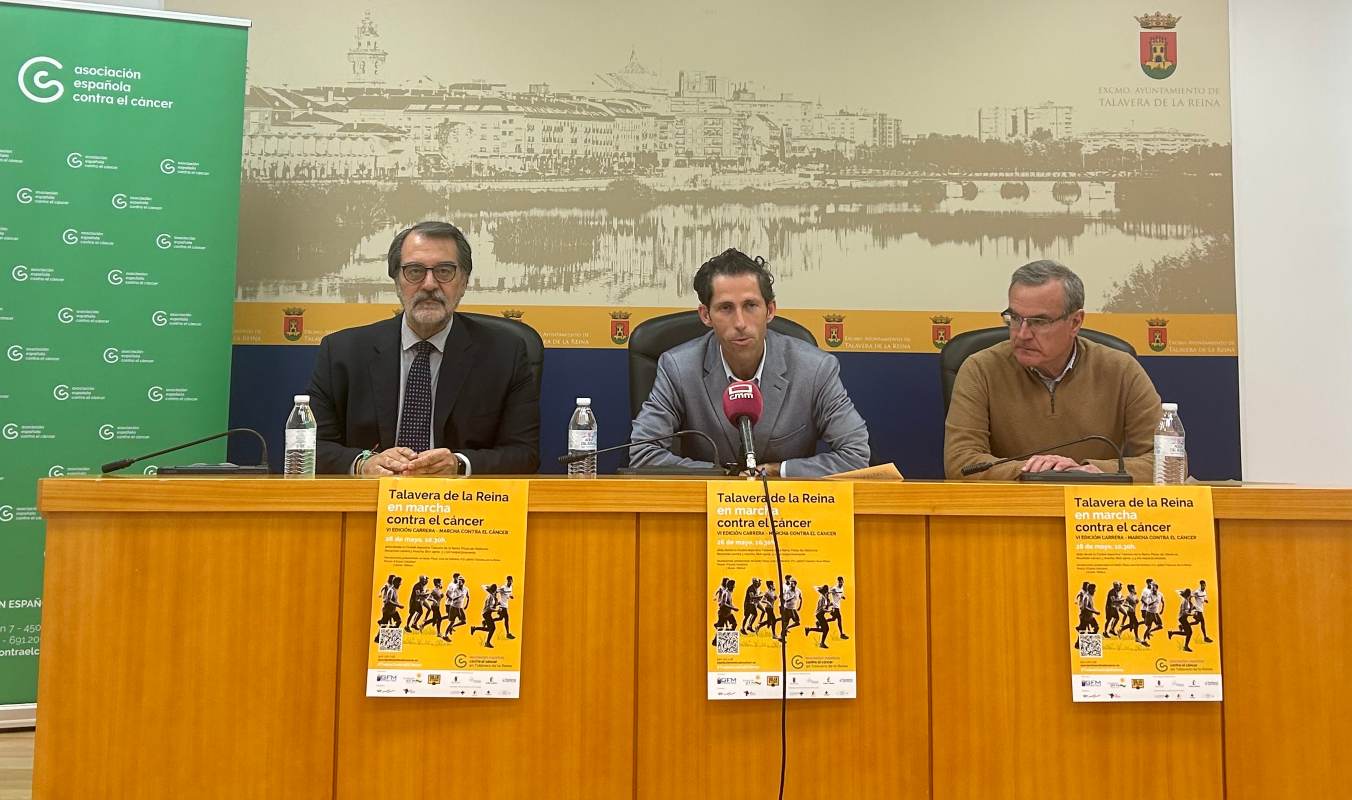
x=113, y=466
x=783, y=646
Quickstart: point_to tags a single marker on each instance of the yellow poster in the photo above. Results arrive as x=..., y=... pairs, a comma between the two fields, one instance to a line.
x=1144, y=604
x=447, y=593
x=752, y=610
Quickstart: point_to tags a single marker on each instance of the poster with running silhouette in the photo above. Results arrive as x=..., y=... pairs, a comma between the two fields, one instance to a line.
x=752, y=609
x=1142, y=597
x=447, y=591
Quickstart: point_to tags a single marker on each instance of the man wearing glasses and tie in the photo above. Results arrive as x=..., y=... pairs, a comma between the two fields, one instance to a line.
x=428, y=392
x=1048, y=385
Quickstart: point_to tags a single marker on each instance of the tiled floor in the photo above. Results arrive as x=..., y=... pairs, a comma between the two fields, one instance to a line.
x=16, y=765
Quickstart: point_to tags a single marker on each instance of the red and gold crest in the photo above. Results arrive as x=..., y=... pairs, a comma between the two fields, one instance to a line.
x=1157, y=334
x=835, y=329
x=619, y=327
x=293, y=324
x=1159, y=44
x=513, y=313
x=941, y=330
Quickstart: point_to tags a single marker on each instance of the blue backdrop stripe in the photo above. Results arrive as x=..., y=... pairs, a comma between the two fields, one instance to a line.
x=898, y=394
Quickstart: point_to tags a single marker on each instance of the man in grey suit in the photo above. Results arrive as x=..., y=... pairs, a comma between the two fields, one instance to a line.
x=804, y=399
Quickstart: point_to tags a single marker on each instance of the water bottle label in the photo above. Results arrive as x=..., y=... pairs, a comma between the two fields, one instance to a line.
x=581, y=440
x=1170, y=446
x=300, y=439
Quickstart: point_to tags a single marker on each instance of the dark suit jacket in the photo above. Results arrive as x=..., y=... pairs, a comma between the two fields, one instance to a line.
x=487, y=405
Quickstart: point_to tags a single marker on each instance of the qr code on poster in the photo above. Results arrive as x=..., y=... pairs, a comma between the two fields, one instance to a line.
x=728, y=643
x=390, y=640
x=1091, y=645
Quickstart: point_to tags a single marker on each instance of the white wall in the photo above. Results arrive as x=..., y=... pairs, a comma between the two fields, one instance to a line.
x=1291, y=84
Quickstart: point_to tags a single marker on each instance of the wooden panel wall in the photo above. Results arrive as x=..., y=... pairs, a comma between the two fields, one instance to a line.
x=1004, y=723
x=570, y=734
x=188, y=655
x=203, y=637
x=877, y=746
x=1287, y=656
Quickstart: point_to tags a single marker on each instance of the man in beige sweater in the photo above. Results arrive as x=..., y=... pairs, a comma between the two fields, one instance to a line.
x=1047, y=385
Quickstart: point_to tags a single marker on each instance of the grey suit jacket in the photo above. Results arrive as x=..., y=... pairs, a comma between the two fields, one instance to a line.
x=804, y=403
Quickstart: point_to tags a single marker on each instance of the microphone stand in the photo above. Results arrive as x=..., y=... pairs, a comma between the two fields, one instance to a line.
x=743, y=424
x=200, y=469
x=1061, y=476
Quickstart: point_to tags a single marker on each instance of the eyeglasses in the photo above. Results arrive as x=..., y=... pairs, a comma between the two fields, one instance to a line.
x=1035, y=324
x=415, y=273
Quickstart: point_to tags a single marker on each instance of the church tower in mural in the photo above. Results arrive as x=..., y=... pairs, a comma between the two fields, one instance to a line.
x=366, y=57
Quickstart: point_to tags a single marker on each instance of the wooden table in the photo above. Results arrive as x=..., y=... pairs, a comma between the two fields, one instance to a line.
x=209, y=637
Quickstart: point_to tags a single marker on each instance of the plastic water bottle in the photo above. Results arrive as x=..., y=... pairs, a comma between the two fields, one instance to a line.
x=582, y=439
x=300, y=440
x=1171, y=456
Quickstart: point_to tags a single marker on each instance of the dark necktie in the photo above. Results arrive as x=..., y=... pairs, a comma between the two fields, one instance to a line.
x=415, y=418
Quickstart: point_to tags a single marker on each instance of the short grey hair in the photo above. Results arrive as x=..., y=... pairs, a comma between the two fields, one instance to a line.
x=1037, y=273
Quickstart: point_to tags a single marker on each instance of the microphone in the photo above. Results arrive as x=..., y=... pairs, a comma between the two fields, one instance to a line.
x=1064, y=476
x=200, y=469
x=572, y=459
x=742, y=405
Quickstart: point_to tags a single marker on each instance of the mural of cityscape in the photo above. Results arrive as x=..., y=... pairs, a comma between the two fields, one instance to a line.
x=603, y=168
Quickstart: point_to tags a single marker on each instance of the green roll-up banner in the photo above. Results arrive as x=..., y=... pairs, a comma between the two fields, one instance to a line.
x=120, y=135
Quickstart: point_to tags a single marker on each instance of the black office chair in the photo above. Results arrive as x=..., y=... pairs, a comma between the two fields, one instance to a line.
x=965, y=344
x=535, y=346
x=650, y=339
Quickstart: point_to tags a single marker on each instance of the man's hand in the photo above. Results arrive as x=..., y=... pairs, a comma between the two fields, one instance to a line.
x=1085, y=468
x=1049, y=463
x=393, y=461
x=771, y=470
x=440, y=461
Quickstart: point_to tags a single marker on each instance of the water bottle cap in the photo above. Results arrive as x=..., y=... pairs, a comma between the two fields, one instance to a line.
x=584, y=401
x=301, y=398
x=1169, y=406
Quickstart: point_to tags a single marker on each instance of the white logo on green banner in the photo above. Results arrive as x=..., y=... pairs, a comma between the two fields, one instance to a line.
x=34, y=74
x=79, y=172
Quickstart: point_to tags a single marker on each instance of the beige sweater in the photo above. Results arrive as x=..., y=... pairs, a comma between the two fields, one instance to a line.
x=1000, y=409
